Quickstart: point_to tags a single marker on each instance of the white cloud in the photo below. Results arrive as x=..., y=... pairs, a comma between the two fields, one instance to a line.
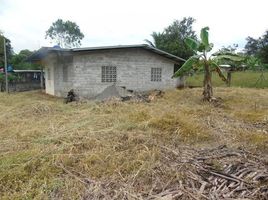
x=106, y=22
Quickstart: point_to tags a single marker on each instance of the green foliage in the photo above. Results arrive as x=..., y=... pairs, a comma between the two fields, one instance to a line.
x=11, y=77
x=187, y=66
x=254, y=63
x=208, y=64
x=18, y=60
x=231, y=57
x=203, y=47
x=172, y=39
x=228, y=56
x=193, y=44
x=258, y=47
x=8, y=49
x=204, y=37
x=65, y=33
x=2, y=77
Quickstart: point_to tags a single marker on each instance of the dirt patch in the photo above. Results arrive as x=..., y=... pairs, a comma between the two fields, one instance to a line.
x=117, y=93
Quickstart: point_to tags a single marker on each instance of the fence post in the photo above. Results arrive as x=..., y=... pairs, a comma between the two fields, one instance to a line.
x=6, y=74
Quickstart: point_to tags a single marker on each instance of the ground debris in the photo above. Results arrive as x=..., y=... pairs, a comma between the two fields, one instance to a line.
x=219, y=173
x=118, y=93
x=71, y=96
x=223, y=173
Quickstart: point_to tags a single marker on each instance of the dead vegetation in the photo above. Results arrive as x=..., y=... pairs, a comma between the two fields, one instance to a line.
x=175, y=147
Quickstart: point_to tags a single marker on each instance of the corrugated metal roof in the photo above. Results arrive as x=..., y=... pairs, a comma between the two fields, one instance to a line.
x=144, y=46
x=41, y=53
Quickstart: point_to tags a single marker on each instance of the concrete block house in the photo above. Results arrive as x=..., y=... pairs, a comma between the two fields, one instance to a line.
x=90, y=70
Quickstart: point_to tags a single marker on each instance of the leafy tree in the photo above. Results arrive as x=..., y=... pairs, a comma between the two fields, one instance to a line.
x=65, y=34
x=202, y=60
x=258, y=47
x=9, y=49
x=172, y=39
x=253, y=62
x=252, y=46
x=18, y=60
x=229, y=49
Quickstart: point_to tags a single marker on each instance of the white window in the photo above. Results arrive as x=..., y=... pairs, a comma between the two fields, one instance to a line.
x=108, y=74
x=156, y=74
x=65, y=73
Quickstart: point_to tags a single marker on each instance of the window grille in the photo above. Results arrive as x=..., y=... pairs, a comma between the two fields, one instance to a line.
x=156, y=74
x=108, y=74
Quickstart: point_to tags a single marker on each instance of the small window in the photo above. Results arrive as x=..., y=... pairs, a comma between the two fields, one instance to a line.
x=48, y=74
x=65, y=73
x=156, y=74
x=108, y=74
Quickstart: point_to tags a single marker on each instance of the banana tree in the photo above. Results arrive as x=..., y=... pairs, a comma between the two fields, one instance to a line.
x=201, y=59
x=231, y=61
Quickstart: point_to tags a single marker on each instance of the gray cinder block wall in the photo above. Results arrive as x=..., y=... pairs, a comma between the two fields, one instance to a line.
x=83, y=71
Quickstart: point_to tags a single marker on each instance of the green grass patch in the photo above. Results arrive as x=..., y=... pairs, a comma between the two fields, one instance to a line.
x=245, y=79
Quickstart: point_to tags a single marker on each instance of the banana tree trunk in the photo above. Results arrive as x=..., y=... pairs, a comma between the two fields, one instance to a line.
x=208, y=92
x=229, y=77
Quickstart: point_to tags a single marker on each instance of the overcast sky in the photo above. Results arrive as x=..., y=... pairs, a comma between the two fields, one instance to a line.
x=114, y=22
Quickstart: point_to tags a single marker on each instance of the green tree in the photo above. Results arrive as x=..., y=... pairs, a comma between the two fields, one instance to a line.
x=18, y=61
x=8, y=49
x=66, y=34
x=172, y=39
x=258, y=47
x=202, y=60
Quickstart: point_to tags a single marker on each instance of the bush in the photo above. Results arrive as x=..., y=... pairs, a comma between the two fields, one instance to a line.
x=2, y=77
x=12, y=78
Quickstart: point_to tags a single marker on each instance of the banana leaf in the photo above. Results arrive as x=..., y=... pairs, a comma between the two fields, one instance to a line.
x=187, y=66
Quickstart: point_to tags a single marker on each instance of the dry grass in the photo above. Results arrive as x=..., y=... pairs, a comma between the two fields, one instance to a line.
x=50, y=150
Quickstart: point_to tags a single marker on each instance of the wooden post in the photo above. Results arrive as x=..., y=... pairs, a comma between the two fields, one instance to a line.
x=6, y=74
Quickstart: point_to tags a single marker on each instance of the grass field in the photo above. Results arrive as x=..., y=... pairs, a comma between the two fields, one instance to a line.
x=247, y=79
x=51, y=150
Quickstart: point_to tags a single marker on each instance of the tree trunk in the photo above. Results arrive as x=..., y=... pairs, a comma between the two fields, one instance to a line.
x=207, y=93
x=229, y=77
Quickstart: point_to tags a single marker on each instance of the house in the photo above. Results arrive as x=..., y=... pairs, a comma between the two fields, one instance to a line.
x=90, y=70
